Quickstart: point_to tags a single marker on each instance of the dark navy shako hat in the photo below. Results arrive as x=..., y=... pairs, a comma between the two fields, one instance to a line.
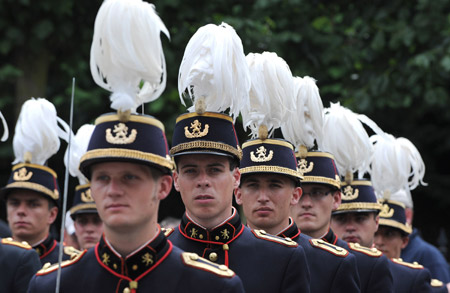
x=33, y=177
x=358, y=196
x=206, y=133
x=269, y=156
x=127, y=138
x=83, y=203
x=318, y=167
x=393, y=215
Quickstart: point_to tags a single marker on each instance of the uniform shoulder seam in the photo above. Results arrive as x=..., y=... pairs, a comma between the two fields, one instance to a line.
x=286, y=241
x=195, y=261
x=328, y=247
x=167, y=231
x=10, y=241
x=48, y=268
x=373, y=252
x=414, y=265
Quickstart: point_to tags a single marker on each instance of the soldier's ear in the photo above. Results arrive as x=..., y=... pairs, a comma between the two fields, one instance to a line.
x=237, y=178
x=165, y=185
x=238, y=196
x=336, y=199
x=296, y=195
x=175, y=181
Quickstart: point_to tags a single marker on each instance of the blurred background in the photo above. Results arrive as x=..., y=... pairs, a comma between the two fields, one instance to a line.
x=389, y=60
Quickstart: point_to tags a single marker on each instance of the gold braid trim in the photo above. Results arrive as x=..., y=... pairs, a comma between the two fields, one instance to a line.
x=34, y=186
x=84, y=206
x=267, y=141
x=201, y=144
x=133, y=118
x=271, y=169
x=395, y=224
x=44, y=168
x=318, y=179
x=128, y=154
x=206, y=114
x=359, y=205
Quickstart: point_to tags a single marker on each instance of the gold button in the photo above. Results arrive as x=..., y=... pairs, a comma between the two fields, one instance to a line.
x=217, y=237
x=194, y=256
x=223, y=267
x=115, y=266
x=213, y=256
x=200, y=236
x=126, y=290
x=135, y=267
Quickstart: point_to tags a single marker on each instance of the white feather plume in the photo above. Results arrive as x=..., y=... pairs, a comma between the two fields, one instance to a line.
x=396, y=163
x=214, y=69
x=346, y=138
x=37, y=132
x=403, y=196
x=305, y=125
x=5, y=128
x=271, y=93
x=126, y=50
x=78, y=147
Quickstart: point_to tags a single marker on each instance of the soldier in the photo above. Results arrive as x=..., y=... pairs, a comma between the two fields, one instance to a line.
x=207, y=153
x=268, y=188
x=130, y=176
x=88, y=225
x=19, y=263
x=417, y=249
x=32, y=192
x=391, y=237
x=321, y=195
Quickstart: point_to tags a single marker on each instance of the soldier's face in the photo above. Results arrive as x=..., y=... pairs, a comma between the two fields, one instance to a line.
x=127, y=196
x=266, y=200
x=356, y=227
x=206, y=185
x=29, y=215
x=313, y=211
x=89, y=229
x=390, y=241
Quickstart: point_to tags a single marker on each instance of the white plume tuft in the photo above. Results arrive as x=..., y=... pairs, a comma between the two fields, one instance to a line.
x=403, y=196
x=396, y=163
x=78, y=147
x=37, y=132
x=126, y=50
x=305, y=125
x=5, y=128
x=346, y=138
x=214, y=69
x=271, y=93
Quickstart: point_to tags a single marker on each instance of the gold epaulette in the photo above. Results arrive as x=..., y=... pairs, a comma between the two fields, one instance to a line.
x=414, y=265
x=167, y=231
x=373, y=252
x=48, y=268
x=336, y=250
x=72, y=251
x=195, y=261
x=436, y=283
x=261, y=234
x=11, y=241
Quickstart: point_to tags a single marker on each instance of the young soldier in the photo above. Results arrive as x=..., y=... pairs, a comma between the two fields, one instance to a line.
x=32, y=192
x=88, y=225
x=130, y=176
x=391, y=237
x=269, y=187
x=322, y=195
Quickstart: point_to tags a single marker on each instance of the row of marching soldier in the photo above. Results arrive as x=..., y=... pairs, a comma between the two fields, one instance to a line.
x=297, y=194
